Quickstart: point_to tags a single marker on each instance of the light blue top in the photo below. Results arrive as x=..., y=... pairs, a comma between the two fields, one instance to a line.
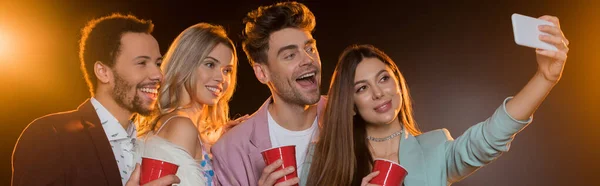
x=436, y=159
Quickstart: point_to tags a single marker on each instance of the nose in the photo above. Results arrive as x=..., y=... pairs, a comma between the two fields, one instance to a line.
x=219, y=75
x=308, y=59
x=155, y=73
x=377, y=92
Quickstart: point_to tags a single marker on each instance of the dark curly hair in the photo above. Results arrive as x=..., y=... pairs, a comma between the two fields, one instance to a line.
x=265, y=20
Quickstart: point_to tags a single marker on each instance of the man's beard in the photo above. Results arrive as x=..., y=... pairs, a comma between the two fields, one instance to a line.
x=119, y=94
x=291, y=94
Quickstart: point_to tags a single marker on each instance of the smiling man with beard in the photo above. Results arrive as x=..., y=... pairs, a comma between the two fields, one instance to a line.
x=93, y=145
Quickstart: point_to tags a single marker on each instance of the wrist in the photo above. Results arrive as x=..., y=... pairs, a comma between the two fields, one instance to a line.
x=542, y=78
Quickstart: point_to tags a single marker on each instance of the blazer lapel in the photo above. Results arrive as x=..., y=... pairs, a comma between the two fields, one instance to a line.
x=92, y=124
x=411, y=158
x=260, y=139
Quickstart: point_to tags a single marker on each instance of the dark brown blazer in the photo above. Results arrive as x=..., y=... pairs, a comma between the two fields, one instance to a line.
x=67, y=148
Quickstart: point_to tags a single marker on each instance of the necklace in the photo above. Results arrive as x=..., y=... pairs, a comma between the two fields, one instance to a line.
x=385, y=138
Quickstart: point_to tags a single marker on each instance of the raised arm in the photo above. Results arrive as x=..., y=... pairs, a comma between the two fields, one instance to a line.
x=550, y=67
x=484, y=142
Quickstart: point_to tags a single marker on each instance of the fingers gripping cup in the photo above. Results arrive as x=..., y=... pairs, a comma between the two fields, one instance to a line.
x=285, y=153
x=390, y=173
x=153, y=169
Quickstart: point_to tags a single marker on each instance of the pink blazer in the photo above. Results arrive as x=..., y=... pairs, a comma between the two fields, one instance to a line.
x=236, y=156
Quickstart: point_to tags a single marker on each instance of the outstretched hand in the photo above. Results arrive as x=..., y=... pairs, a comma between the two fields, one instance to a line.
x=551, y=63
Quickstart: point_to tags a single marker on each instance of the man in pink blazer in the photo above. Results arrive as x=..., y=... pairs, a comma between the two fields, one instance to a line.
x=280, y=48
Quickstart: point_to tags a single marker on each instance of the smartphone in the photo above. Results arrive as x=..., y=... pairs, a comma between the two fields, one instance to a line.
x=526, y=32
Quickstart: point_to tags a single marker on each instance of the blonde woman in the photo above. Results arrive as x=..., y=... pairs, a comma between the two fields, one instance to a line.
x=199, y=79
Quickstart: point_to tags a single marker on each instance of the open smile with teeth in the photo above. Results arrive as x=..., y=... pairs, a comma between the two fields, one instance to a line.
x=307, y=75
x=215, y=90
x=307, y=79
x=152, y=93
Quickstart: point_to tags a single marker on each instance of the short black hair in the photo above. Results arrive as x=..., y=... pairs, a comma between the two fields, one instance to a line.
x=260, y=23
x=101, y=41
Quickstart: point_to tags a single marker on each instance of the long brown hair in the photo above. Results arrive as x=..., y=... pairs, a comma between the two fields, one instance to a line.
x=180, y=63
x=342, y=155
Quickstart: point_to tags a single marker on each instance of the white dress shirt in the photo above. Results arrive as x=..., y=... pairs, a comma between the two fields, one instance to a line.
x=121, y=141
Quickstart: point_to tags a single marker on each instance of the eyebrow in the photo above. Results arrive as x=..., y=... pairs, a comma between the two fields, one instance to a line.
x=212, y=58
x=309, y=42
x=148, y=58
x=141, y=57
x=363, y=81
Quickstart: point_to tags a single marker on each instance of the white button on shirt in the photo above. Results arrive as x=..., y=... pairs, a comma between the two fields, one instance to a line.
x=121, y=141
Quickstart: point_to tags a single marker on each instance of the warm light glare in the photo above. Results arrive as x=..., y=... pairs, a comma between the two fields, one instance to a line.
x=6, y=46
x=3, y=44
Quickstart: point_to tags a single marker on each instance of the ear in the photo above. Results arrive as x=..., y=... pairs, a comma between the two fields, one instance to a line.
x=261, y=72
x=103, y=72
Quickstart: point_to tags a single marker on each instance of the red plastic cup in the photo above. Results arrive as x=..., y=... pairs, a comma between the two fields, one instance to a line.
x=287, y=154
x=153, y=169
x=390, y=173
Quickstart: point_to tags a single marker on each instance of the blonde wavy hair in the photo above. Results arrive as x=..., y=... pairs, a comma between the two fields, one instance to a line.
x=179, y=67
